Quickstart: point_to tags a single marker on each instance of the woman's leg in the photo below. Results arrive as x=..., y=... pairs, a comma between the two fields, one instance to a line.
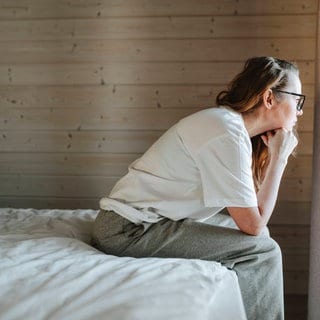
x=256, y=259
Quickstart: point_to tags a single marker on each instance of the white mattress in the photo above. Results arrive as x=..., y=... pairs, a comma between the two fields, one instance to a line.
x=48, y=270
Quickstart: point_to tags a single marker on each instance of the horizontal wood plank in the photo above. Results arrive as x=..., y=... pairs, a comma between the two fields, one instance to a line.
x=210, y=73
x=296, y=306
x=291, y=237
x=305, y=122
x=106, y=119
x=66, y=164
x=291, y=188
x=299, y=166
x=111, y=96
x=119, y=96
x=60, y=186
x=93, y=51
x=79, y=141
x=39, y=9
x=49, y=202
x=105, y=164
x=295, y=260
x=96, y=141
x=169, y=27
x=305, y=146
x=291, y=213
x=92, y=118
x=296, y=282
x=124, y=73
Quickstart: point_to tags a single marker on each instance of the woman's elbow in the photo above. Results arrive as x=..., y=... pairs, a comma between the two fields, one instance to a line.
x=248, y=220
x=253, y=229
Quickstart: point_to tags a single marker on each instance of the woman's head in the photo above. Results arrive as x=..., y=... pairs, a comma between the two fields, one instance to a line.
x=262, y=77
x=245, y=92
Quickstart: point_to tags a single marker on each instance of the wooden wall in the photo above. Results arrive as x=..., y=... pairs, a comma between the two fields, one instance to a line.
x=86, y=86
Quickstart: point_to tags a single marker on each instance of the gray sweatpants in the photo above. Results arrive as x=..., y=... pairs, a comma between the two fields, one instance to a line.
x=255, y=259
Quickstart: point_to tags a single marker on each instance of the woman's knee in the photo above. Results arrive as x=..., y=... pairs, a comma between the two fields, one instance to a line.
x=262, y=245
x=107, y=231
x=271, y=250
x=272, y=245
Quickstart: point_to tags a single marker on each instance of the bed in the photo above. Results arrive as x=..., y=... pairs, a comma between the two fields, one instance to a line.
x=49, y=270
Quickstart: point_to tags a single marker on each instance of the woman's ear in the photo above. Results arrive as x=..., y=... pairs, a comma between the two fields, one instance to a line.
x=268, y=99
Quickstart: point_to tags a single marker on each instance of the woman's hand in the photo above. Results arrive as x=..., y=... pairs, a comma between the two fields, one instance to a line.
x=280, y=143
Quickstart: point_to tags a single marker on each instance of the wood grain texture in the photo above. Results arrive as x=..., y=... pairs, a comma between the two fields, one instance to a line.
x=169, y=27
x=113, y=141
x=75, y=163
x=91, y=51
x=51, y=9
x=210, y=73
x=120, y=96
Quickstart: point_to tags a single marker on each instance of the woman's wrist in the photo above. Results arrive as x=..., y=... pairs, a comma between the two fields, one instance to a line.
x=278, y=159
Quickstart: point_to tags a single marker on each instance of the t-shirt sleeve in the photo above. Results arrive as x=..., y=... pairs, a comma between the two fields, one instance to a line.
x=225, y=169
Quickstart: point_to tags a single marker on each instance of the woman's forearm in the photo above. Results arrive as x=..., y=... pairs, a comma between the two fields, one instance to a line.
x=268, y=192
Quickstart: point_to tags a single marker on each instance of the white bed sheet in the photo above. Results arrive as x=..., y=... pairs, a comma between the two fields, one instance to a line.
x=48, y=270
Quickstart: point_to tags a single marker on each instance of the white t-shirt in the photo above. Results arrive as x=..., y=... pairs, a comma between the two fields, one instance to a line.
x=199, y=166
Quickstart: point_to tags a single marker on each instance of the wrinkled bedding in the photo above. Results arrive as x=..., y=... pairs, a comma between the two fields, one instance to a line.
x=48, y=270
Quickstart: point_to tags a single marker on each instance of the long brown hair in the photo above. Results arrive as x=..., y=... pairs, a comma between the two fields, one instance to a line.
x=245, y=93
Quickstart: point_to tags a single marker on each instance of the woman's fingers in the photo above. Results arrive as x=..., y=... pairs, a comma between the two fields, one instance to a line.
x=264, y=139
x=280, y=141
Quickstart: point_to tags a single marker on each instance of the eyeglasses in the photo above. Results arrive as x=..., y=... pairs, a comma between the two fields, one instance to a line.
x=300, y=101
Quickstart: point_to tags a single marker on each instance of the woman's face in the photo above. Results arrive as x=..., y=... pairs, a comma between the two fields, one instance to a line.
x=286, y=113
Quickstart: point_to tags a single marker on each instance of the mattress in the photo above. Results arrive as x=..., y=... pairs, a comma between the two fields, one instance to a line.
x=49, y=270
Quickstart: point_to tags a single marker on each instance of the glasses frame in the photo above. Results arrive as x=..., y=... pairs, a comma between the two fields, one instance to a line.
x=300, y=103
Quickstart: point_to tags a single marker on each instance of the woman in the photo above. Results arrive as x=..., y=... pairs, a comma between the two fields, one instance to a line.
x=231, y=156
